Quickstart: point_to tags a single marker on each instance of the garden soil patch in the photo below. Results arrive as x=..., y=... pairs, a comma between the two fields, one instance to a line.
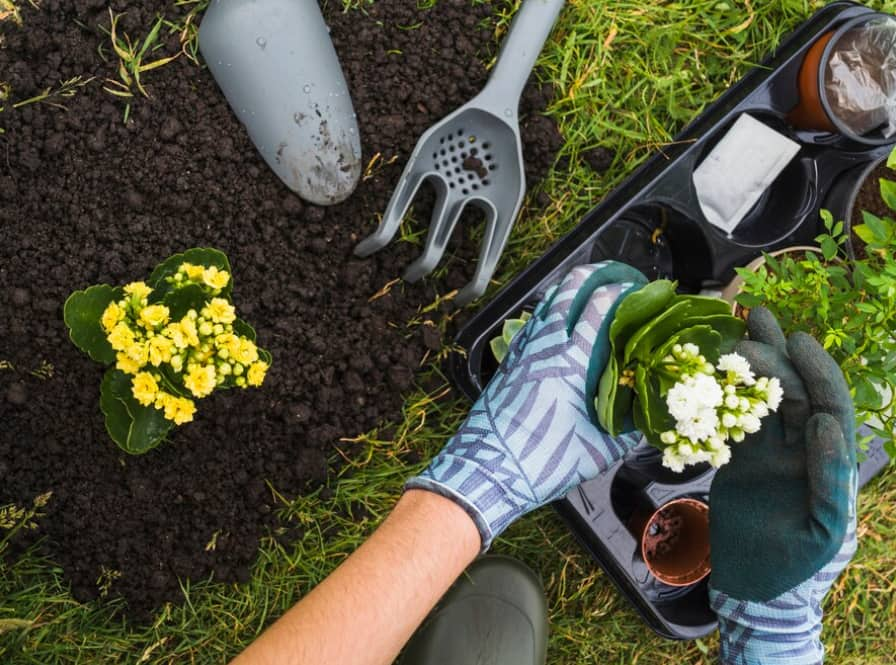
x=86, y=198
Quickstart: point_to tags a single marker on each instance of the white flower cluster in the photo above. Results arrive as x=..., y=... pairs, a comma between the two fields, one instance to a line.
x=713, y=405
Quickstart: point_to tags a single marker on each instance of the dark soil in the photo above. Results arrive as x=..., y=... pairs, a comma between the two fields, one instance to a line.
x=869, y=199
x=662, y=534
x=85, y=198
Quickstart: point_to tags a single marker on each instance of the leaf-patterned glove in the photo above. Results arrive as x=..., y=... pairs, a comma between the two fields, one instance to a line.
x=531, y=435
x=783, y=517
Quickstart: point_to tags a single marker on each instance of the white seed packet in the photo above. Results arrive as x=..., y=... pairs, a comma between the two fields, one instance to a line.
x=742, y=165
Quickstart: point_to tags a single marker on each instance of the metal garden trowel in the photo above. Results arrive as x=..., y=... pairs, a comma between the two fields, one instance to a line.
x=277, y=67
x=474, y=156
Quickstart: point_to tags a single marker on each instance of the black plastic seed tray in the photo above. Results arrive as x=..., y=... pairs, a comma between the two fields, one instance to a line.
x=654, y=222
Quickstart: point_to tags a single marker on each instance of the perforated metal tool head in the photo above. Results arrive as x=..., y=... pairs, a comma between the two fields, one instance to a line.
x=474, y=156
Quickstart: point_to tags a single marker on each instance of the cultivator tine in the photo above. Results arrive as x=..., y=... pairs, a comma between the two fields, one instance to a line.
x=444, y=219
x=395, y=211
x=497, y=229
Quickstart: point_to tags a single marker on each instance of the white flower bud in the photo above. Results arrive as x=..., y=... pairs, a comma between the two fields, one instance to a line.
x=668, y=437
x=732, y=401
x=729, y=420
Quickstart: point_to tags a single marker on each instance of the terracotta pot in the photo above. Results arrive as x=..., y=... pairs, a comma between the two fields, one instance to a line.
x=736, y=285
x=809, y=113
x=814, y=110
x=675, y=542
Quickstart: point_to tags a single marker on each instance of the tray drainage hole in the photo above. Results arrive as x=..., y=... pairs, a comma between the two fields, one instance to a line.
x=457, y=169
x=461, y=179
x=474, y=151
x=442, y=152
x=437, y=166
x=488, y=158
x=435, y=155
x=465, y=191
x=461, y=144
x=463, y=155
x=445, y=163
x=486, y=146
x=454, y=160
x=442, y=140
x=451, y=148
x=451, y=185
x=475, y=187
x=486, y=182
x=460, y=132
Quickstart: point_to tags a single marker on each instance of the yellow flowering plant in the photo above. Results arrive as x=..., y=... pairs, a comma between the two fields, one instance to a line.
x=169, y=341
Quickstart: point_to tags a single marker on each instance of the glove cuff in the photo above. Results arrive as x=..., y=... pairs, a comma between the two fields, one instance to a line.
x=490, y=504
x=783, y=631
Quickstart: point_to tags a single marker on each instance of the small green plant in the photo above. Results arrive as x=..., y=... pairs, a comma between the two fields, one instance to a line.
x=171, y=339
x=501, y=345
x=132, y=59
x=672, y=374
x=848, y=305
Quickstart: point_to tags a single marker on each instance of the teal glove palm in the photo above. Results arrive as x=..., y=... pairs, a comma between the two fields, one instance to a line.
x=782, y=523
x=530, y=437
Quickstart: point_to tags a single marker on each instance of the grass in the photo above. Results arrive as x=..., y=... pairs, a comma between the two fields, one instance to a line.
x=628, y=76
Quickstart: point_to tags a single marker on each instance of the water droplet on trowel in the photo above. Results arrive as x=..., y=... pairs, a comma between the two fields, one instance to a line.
x=306, y=88
x=508, y=112
x=262, y=42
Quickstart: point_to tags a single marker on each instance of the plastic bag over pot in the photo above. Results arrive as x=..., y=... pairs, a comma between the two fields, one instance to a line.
x=860, y=79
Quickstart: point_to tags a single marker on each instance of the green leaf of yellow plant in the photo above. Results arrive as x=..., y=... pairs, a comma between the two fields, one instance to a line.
x=82, y=312
x=135, y=428
x=200, y=256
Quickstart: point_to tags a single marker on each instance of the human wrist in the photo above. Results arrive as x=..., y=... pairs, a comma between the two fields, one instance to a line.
x=438, y=513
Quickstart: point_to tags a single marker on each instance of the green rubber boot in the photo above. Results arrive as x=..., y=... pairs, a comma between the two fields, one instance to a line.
x=495, y=614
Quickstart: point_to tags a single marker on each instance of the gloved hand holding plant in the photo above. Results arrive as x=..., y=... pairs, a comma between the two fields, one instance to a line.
x=783, y=518
x=529, y=438
x=172, y=339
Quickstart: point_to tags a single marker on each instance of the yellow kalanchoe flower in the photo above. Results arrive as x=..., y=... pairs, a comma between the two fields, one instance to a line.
x=256, y=373
x=177, y=409
x=214, y=278
x=200, y=380
x=153, y=316
x=111, y=316
x=145, y=388
x=188, y=327
x=138, y=352
x=246, y=353
x=139, y=289
x=160, y=349
x=126, y=365
x=220, y=311
x=121, y=337
x=193, y=272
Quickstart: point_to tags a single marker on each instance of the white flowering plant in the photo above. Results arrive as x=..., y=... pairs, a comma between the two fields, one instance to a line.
x=672, y=373
x=169, y=341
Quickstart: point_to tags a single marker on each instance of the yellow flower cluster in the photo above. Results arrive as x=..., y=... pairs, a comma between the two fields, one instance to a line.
x=201, y=349
x=212, y=276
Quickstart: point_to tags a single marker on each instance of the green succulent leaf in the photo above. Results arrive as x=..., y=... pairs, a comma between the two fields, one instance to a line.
x=684, y=312
x=82, y=312
x=499, y=348
x=650, y=405
x=243, y=329
x=135, y=428
x=638, y=308
x=182, y=300
x=609, y=394
x=200, y=256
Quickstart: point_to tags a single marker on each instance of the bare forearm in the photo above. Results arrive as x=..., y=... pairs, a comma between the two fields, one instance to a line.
x=367, y=609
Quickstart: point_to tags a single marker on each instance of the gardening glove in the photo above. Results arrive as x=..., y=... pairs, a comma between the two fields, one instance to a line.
x=783, y=516
x=531, y=435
